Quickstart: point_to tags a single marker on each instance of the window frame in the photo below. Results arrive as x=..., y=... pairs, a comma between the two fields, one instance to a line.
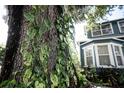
x=93, y=60
x=121, y=53
x=110, y=55
x=102, y=29
x=95, y=31
x=118, y=22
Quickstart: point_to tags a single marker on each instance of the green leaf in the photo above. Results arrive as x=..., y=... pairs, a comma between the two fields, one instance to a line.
x=47, y=23
x=54, y=80
x=8, y=83
x=37, y=69
x=13, y=81
x=30, y=17
x=39, y=84
x=67, y=80
x=28, y=58
x=57, y=68
x=4, y=83
x=34, y=7
x=43, y=28
x=31, y=33
x=27, y=75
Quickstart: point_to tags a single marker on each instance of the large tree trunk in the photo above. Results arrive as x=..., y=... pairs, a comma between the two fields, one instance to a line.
x=15, y=14
x=53, y=13
x=17, y=28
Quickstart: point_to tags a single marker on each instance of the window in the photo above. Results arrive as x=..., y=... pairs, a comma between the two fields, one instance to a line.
x=106, y=29
x=121, y=26
x=118, y=55
x=103, y=29
x=88, y=53
x=96, y=31
x=103, y=55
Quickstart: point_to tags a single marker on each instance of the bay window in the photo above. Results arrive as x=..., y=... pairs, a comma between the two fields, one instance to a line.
x=103, y=55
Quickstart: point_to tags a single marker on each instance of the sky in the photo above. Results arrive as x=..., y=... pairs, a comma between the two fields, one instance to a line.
x=3, y=26
x=79, y=28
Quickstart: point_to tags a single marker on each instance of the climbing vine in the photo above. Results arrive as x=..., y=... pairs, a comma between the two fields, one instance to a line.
x=46, y=50
x=40, y=50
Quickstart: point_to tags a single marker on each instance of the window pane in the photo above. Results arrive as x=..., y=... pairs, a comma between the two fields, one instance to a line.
x=88, y=52
x=105, y=26
x=96, y=33
x=104, y=60
x=106, y=31
x=103, y=49
x=89, y=61
x=122, y=29
x=118, y=55
x=96, y=28
x=121, y=23
x=119, y=59
x=117, y=51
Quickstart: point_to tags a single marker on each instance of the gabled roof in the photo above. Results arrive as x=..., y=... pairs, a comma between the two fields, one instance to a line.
x=108, y=21
x=103, y=39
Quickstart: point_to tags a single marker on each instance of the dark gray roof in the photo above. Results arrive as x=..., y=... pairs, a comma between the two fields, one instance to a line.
x=108, y=21
x=101, y=40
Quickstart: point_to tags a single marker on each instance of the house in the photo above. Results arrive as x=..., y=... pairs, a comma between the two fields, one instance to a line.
x=105, y=47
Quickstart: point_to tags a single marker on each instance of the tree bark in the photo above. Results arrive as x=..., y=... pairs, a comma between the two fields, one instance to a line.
x=15, y=14
x=53, y=40
x=13, y=61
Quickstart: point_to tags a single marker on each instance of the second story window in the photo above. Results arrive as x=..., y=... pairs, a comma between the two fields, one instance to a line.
x=121, y=26
x=106, y=29
x=96, y=31
x=103, y=29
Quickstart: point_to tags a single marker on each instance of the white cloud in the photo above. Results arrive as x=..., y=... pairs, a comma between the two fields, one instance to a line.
x=3, y=26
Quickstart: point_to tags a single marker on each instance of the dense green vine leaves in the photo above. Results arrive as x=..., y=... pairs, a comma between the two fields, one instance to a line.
x=49, y=59
x=37, y=51
x=29, y=16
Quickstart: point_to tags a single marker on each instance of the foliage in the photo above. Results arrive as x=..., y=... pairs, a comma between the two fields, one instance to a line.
x=37, y=47
x=36, y=50
x=109, y=77
x=8, y=83
x=2, y=52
